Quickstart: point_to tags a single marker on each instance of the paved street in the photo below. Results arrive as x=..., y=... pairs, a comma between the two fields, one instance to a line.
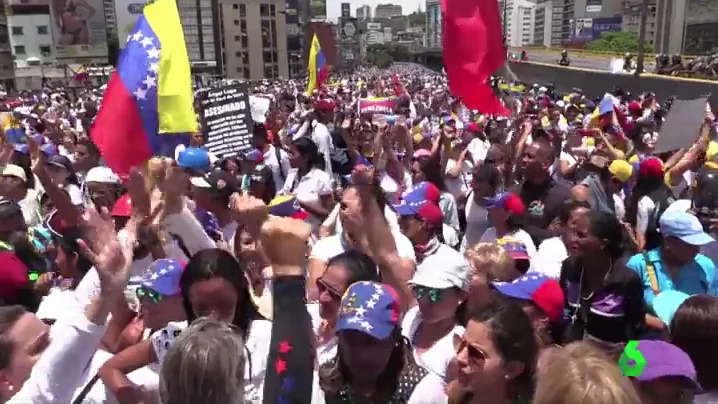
x=601, y=63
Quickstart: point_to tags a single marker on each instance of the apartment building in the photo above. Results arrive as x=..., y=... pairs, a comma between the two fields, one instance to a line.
x=255, y=39
x=433, y=24
x=387, y=11
x=548, y=23
x=517, y=17
x=364, y=13
x=202, y=32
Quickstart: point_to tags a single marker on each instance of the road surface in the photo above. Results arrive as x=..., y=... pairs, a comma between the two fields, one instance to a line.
x=601, y=63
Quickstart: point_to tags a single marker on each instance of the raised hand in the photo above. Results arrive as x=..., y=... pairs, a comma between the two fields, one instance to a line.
x=284, y=241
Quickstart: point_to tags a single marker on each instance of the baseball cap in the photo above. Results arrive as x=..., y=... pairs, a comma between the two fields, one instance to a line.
x=666, y=304
x=544, y=292
x=454, y=272
x=621, y=169
x=194, y=158
x=163, y=276
x=102, y=175
x=684, y=226
x=123, y=206
x=515, y=249
x=664, y=359
x=651, y=167
x=12, y=170
x=287, y=206
x=217, y=181
x=421, y=200
x=9, y=208
x=13, y=277
x=506, y=200
x=369, y=307
x=60, y=161
x=254, y=155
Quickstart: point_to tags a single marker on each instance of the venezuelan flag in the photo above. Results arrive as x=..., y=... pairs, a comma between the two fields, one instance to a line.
x=318, y=71
x=13, y=129
x=149, y=94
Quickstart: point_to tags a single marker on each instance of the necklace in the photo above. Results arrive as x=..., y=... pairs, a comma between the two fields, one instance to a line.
x=574, y=317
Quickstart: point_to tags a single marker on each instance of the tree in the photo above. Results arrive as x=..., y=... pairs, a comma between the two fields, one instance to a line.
x=619, y=42
x=417, y=19
x=383, y=55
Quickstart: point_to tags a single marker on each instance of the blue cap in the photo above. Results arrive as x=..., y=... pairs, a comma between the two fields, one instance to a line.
x=163, y=276
x=421, y=200
x=194, y=158
x=209, y=223
x=369, y=307
x=684, y=226
x=666, y=304
x=255, y=156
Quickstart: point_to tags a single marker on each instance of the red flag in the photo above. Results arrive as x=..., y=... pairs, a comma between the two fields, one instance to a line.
x=473, y=51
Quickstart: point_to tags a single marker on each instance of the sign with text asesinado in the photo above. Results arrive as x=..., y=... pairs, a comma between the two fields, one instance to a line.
x=226, y=120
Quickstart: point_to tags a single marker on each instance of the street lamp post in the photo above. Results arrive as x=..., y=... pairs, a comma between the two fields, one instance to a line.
x=503, y=20
x=641, y=38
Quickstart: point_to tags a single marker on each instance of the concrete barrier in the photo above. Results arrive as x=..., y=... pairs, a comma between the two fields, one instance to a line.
x=595, y=83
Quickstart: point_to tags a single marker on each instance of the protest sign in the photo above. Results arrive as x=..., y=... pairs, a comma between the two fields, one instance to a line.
x=385, y=106
x=226, y=120
x=682, y=125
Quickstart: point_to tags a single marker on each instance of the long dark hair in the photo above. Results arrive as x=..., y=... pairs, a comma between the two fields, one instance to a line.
x=359, y=266
x=309, y=151
x=430, y=166
x=693, y=328
x=514, y=338
x=211, y=263
x=335, y=375
x=645, y=185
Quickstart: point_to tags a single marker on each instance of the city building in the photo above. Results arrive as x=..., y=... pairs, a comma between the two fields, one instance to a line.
x=582, y=11
x=202, y=32
x=387, y=11
x=108, y=7
x=31, y=39
x=433, y=24
x=364, y=13
x=518, y=21
x=701, y=33
x=255, y=39
x=548, y=20
x=631, y=20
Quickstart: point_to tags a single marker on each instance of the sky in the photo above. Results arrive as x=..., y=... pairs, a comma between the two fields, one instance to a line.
x=408, y=6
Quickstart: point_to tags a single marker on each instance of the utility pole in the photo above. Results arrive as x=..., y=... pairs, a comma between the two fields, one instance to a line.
x=641, y=38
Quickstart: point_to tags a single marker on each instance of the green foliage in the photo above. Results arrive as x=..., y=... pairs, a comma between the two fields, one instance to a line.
x=383, y=55
x=619, y=42
x=417, y=19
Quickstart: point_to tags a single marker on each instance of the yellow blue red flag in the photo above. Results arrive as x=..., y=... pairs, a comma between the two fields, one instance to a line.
x=318, y=69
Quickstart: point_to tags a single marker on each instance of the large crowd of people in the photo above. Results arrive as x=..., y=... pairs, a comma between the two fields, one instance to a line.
x=429, y=255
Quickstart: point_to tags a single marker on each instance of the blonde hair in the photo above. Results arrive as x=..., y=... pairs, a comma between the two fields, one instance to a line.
x=492, y=258
x=580, y=373
x=204, y=365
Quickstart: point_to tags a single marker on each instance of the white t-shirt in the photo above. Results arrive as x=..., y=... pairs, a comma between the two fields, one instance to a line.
x=257, y=345
x=448, y=208
x=29, y=206
x=477, y=221
x=147, y=376
x=334, y=222
x=390, y=187
x=75, y=194
x=277, y=167
x=437, y=358
x=549, y=259
x=462, y=183
x=310, y=188
x=478, y=149
x=327, y=351
x=646, y=206
x=706, y=398
x=329, y=247
x=323, y=140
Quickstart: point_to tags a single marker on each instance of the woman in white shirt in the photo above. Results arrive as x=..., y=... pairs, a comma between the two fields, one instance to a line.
x=45, y=364
x=309, y=182
x=484, y=183
x=506, y=212
x=213, y=285
x=342, y=271
x=63, y=175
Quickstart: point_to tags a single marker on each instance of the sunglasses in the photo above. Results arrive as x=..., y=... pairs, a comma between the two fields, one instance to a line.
x=151, y=294
x=475, y=354
x=324, y=287
x=433, y=293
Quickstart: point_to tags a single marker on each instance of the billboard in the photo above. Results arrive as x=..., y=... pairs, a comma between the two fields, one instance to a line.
x=79, y=31
x=126, y=15
x=373, y=26
x=294, y=32
x=349, y=30
x=583, y=30
x=319, y=9
x=346, y=10
x=594, y=6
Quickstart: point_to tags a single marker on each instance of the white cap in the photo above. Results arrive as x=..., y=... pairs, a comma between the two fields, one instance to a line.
x=454, y=272
x=102, y=175
x=12, y=170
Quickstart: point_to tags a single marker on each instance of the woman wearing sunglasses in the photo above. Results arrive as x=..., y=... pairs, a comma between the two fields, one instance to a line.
x=213, y=284
x=374, y=363
x=430, y=325
x=496, y=356
x=343, y=270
